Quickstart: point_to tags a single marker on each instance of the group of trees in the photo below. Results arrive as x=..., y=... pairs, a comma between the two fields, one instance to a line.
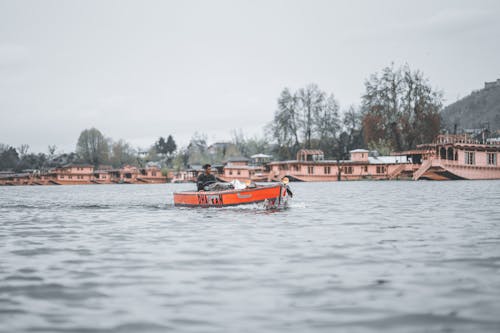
x=310, y=118
x=198, y=151
x=399, y=110
x=92, y=148
x=19, y=159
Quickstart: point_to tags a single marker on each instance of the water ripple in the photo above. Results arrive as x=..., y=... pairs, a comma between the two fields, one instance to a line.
x=346, y=256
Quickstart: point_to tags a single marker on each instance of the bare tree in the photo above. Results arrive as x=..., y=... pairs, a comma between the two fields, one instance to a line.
x=400, y=108
x=285, y=126
x=311, y=101
x=23, y=150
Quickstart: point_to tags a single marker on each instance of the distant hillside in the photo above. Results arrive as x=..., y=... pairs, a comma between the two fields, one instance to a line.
x=478, y=110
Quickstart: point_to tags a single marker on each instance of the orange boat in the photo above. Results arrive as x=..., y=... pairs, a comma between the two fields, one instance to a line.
x=273, y=196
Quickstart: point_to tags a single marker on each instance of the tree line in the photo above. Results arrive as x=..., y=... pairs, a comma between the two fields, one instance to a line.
x=399, y=110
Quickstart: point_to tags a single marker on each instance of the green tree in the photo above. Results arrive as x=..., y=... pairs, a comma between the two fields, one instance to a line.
x=122, y=154
x=92, y=147
x=161, y=146
x=9, y=158
x=170, y=146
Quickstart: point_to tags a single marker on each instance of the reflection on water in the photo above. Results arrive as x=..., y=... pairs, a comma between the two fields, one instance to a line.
x=348, y=256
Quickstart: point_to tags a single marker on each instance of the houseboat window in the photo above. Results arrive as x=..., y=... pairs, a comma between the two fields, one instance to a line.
x=442, y=153
x=239, y=173
x=310, y=170
x=70, y=177
x=348, y=170
x=366, y=168
x=450, y=153
x=380, y=169
x=327, y=170
x=492, y=159
x=153, y=173
x=230, y=172
x=469, y=157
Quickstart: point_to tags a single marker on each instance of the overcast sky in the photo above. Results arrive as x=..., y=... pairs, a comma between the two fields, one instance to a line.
x=138, y=70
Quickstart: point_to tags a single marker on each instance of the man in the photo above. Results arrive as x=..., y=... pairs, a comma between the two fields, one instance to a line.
x=205, y=178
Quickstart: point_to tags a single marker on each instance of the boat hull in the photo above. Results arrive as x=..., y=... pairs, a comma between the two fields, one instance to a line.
x=273, y=196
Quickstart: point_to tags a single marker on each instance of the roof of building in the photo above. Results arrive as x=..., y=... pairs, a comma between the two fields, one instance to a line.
x=359, y=151
x=78, y=165
x=238, y=159
x=387, y=159
x=261, y=156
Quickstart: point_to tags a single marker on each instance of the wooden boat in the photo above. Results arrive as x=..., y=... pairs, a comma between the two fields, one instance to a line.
x=273, y=196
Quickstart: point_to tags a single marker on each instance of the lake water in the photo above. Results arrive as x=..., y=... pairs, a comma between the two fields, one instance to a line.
x=391, y=256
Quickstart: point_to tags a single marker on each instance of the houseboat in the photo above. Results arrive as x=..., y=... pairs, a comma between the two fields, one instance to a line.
x=458, y=157
x=311, y=166
x=253, y=169
x=81, y=174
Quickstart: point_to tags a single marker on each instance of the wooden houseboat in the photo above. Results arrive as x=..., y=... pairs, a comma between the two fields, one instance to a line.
x=458, y=157
x=311, y=166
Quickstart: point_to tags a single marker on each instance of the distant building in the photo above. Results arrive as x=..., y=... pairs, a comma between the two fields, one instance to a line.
x=488, y=85
x=310, y=166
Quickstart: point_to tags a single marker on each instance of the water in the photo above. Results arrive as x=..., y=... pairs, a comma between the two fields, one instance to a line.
x=348, y=257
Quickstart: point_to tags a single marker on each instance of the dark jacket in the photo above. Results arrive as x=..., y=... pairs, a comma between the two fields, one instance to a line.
x=204, y=180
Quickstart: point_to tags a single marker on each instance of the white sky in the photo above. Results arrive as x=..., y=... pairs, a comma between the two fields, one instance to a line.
x=138, y=70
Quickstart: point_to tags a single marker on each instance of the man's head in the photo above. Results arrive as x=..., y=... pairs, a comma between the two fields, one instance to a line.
x=207, y=168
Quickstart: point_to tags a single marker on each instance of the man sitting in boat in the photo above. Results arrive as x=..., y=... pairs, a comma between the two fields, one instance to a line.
x=206, y=178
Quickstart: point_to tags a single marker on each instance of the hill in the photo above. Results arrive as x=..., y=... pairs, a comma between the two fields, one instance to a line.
x=480, y=109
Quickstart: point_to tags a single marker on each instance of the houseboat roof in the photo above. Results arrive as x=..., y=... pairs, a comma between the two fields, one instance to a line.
x=463, y=145
x=247, y=167
x=386, y=159
x=310, y=162
x=410, y=152
x=261, y=156
x=359, y=151
x=78, y=165
x=238, y=159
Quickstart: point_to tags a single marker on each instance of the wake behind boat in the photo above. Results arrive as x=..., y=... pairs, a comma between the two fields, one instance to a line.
x=273, y=196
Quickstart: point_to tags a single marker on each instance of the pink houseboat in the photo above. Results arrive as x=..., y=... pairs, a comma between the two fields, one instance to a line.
x=458, y=157
x=242, y=168
x=311, y=166
x=77, y=174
